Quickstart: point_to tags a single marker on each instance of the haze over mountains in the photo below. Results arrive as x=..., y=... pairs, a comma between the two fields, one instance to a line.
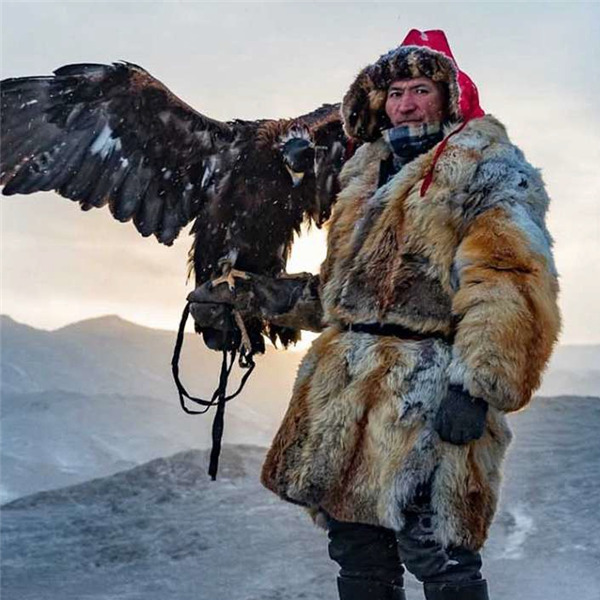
x=96, y=399
x=97, y=396
x=111, y=355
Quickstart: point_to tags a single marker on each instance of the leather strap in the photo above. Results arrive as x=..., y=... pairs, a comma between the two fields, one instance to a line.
x=395, y=331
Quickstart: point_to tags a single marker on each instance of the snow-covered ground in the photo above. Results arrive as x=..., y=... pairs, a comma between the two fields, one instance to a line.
x=95, y=399
x=164, y=530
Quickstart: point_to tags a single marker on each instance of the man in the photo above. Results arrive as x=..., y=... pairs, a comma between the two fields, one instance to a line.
x=437, y=301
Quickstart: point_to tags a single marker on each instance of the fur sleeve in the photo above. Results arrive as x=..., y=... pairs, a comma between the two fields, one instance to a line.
x=505, y=302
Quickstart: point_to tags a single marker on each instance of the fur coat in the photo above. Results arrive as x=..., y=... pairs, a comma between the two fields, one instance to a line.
x=469, y=260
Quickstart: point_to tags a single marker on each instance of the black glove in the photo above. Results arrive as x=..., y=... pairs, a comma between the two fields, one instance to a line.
x=460, y=418
x=210, y=306
x=288, y=301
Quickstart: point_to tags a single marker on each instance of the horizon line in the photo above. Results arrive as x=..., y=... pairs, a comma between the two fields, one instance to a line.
x=144, y=326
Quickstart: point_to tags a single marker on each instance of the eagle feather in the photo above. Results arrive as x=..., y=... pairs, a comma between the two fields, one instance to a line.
x=114, y=135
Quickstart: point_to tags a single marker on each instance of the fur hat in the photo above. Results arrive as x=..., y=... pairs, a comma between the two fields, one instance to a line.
x=422, y=54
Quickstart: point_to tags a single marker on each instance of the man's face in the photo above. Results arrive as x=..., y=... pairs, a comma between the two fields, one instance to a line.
x=415, y=101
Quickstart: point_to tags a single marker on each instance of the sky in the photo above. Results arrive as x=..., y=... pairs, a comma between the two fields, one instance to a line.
x=536, y=66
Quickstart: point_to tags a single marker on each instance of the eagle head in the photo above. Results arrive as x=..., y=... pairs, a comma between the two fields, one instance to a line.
x=298, y=153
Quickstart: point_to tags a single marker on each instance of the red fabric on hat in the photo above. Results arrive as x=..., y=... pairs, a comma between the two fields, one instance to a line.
x=468, y=102
x=435, y=39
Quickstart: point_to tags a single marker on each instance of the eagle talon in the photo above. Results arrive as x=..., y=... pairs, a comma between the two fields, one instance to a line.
x=229, y=278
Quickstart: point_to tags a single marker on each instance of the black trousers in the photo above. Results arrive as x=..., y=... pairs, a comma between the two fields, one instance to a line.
x=381, y=554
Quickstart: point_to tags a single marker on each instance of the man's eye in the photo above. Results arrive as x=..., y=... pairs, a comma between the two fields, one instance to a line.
x=422, y=91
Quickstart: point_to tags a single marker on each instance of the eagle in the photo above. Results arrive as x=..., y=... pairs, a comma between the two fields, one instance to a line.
x=114, y=135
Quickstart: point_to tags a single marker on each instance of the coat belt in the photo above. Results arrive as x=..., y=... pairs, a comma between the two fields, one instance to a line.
x=396, y=331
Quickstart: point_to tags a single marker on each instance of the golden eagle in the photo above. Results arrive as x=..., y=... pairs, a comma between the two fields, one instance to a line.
x=114, y=135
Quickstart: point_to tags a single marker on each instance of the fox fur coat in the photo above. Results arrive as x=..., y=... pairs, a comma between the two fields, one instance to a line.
x=471, y=260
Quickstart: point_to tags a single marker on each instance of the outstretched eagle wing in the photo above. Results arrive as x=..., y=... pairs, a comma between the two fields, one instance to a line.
x=113, y=134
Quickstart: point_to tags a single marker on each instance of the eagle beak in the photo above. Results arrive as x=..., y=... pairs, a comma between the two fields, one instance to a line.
x=296, y=176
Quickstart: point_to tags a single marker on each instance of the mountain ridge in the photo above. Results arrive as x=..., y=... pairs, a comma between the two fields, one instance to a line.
x=132, y=358
x=115, y=319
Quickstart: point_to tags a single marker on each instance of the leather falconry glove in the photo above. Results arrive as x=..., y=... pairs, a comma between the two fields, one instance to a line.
x=289, y=301
x=209, y=306
x=461, y=417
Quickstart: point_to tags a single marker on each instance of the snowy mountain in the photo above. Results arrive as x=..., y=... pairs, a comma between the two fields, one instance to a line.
x=110, y=355
x=97, y=396
x=163, y=530
x=573, y=371
x=53, y=439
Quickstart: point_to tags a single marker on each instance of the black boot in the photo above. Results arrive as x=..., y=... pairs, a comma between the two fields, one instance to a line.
x=353, y=588
x=467, y=590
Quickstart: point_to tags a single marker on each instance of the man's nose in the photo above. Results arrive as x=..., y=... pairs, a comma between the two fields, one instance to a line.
x=406, y=103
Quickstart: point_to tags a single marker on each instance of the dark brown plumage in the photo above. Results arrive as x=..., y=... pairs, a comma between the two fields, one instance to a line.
x=113, y=134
